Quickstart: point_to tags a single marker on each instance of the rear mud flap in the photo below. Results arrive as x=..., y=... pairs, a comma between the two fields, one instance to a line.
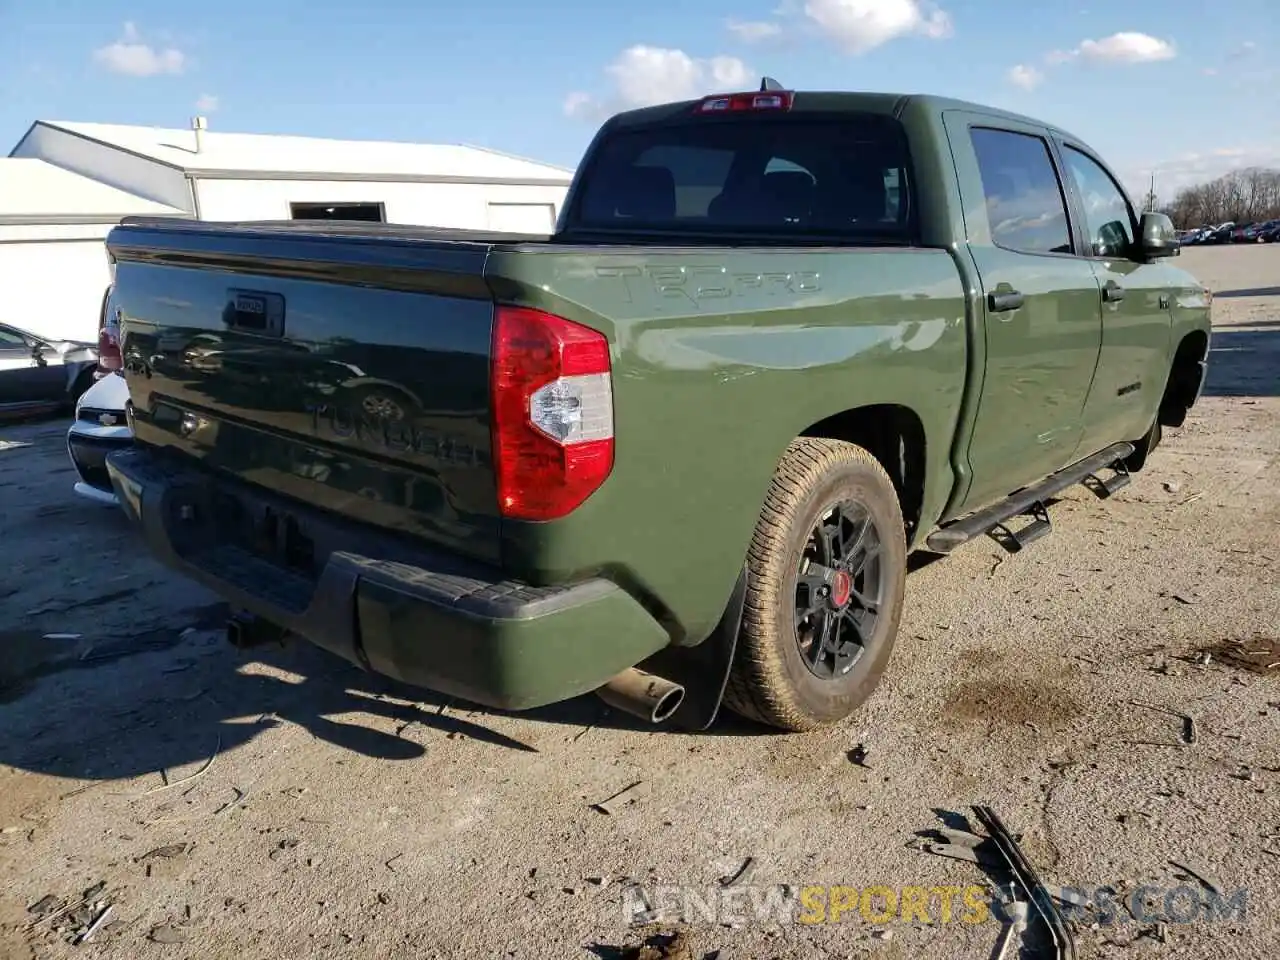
x=703, y=670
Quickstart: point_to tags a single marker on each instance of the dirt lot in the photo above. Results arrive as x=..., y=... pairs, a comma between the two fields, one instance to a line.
x=280, y=804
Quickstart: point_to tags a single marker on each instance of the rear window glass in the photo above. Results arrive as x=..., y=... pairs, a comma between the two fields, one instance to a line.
x=845, y=178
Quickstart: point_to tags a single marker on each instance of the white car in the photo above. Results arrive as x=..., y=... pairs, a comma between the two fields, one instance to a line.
x=100, y=427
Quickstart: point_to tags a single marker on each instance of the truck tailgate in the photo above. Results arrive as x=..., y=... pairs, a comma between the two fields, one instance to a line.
x=345, y=367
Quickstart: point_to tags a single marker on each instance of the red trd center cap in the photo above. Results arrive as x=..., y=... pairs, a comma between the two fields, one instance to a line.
x=841, y=588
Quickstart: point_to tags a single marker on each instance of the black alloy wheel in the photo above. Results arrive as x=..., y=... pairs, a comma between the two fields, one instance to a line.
x=839, y=590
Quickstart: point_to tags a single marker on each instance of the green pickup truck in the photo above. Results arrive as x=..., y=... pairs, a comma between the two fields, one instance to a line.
x=678, y=452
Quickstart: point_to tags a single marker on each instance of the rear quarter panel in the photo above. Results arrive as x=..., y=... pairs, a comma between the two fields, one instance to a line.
x=722, y=357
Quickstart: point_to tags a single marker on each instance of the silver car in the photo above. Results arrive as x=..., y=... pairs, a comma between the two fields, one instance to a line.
x=38, y=375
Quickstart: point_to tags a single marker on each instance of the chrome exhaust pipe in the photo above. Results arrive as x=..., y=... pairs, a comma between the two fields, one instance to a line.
x=642, y=695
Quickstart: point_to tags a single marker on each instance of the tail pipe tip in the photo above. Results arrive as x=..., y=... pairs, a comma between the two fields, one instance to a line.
x=644, y=695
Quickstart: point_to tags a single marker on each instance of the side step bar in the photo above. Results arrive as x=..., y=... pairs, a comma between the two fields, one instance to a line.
x=1030, y=500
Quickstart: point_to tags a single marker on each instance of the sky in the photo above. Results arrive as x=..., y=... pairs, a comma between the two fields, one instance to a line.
x=1182, y=89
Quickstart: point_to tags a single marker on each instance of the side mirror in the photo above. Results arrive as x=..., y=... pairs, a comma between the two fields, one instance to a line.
x=1158, y=238
x=1113, y=240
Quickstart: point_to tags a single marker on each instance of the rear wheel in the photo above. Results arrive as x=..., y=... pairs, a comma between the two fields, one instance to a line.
x=827, y=565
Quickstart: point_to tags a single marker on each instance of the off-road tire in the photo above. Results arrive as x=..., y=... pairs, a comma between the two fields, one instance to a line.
x=769, y=681
x=1145, y=445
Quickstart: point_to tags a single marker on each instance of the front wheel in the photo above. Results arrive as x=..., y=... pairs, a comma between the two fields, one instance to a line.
x=1145, y=447
x=827, y=564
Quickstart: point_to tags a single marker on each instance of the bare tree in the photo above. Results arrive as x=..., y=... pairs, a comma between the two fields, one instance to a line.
x=1242, y=196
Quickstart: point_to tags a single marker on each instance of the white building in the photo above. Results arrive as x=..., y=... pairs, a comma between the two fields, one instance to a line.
x=65, y=184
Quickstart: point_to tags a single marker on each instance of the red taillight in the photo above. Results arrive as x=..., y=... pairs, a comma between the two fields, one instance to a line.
x=732, y=102
x=552, y=392
x=109, y=357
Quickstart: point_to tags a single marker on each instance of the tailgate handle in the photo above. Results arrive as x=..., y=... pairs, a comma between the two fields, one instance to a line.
x=254, y=311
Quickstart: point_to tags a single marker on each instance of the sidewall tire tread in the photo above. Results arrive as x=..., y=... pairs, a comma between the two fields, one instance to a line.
x=764, y=684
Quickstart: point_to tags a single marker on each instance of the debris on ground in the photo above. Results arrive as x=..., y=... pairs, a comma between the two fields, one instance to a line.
x=77, y=920
x=1158, y=931
x=623, y=798
x=44, y=906
x=166, y=933
x=1012, y=931
x=166, y=852
x=1205, y=880
x=1025, y=875
x=740, y=875
x=858, y=756
x=288, y=843
x=170, y=784
x=660, y=945
x=1188, y=730
x=1260, y=655
x=96, y=925
x=240, y=797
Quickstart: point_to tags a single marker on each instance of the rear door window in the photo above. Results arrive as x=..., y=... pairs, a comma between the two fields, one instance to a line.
x=793, y=176
x=1026, y=207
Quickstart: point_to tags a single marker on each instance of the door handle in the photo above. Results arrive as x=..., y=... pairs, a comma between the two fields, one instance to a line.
x=1112, y=292
x=1005, y=301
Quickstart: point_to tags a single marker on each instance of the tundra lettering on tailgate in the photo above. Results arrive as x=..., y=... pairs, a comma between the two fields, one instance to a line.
x=393, y=435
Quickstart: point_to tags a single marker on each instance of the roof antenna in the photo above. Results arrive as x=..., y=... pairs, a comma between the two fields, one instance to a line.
x=769, y=84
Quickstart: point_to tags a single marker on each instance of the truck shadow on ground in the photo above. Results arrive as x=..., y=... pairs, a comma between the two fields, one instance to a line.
x=1244, y=362
x=158, y=701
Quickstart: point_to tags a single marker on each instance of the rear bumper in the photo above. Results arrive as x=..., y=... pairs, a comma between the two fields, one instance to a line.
x=419, y=616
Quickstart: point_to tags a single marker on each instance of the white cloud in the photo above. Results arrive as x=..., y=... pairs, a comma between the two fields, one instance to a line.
x=754, y=31
x=859, y=26
x=207, y=103
x=1024, y=76
x=131, y=56
x=642, y=76
x=1124, y=47
x=1128, y=48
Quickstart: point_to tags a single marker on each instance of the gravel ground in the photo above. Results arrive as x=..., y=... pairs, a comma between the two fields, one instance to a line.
x=279, y=804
